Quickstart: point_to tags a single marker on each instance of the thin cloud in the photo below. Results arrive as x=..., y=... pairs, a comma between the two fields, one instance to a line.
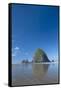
x=26, y=53
x=15, y=51
x=13, y=55
x=16, y=48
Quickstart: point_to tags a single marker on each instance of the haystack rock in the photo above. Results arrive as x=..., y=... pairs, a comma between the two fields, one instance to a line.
x=40, y=56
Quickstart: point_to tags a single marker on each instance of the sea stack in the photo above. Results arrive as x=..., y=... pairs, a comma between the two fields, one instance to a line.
x=40, y=56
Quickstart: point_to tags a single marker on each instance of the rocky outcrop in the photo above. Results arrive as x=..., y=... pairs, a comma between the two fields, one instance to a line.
x=40, y=56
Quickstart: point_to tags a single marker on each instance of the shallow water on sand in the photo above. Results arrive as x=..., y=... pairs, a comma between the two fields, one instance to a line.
x=29, y=74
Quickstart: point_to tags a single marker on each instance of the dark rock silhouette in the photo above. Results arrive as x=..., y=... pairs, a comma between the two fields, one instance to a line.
x=52, y=60
x=40, y=56
x=25, y=61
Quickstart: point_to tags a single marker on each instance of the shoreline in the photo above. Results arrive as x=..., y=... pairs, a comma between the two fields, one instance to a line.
x=38, y=63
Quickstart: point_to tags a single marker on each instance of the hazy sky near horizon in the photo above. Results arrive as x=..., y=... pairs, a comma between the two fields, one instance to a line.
x=34, y=27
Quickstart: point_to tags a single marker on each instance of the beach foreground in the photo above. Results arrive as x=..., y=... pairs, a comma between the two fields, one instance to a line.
x=31, y=74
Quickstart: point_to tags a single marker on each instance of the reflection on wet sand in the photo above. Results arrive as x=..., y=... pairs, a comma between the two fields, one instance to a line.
x=39, y=70
x=28, y=74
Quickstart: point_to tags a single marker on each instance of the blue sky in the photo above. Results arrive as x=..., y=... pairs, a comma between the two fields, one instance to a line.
x=34, y=27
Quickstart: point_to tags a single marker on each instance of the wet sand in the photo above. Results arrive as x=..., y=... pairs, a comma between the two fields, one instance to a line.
x=37, y=73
